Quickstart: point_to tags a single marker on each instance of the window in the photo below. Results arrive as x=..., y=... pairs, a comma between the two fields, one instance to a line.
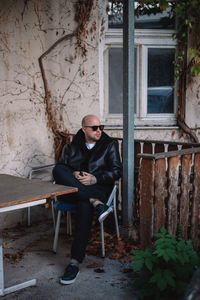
x=160, y=94
x=155, y=95
x=115, y=79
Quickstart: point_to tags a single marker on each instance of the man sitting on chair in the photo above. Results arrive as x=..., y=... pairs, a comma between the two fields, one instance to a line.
x=91, y=162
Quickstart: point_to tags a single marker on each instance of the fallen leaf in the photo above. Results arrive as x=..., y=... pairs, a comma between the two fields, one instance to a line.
x=116, y=256
x=7, y=246
x=17, y=236
x=92, y=251
x=95, y=265
x=122, y=279
x=106, y=235
x=27, y=250
x=14, y=257
x=99, y=270
x=127, y=270
x=96, y=243
x=128, y=259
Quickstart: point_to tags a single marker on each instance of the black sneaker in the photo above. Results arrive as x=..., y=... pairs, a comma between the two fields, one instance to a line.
x=102, y=210
x=70, y=274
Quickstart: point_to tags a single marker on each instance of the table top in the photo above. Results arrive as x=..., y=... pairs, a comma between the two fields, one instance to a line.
x=17, y=190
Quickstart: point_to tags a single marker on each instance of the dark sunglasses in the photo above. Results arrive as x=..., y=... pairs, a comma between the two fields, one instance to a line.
x=94, y=128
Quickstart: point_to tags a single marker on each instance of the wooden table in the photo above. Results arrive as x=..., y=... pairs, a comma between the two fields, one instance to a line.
x=16, y=193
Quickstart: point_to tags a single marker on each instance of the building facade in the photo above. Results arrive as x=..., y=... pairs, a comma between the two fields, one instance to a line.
x=51, y=76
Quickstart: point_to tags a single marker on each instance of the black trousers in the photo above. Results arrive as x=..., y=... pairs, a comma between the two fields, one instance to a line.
x=84, y=215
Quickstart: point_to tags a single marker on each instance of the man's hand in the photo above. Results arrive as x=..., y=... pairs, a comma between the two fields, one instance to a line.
x=85, y=178
x=76, y=174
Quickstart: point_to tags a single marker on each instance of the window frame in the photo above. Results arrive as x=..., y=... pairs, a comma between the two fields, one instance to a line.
x=144, y=39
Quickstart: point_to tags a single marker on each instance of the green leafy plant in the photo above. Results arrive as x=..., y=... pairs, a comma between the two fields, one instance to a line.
x=188, y=21
x=165, y=270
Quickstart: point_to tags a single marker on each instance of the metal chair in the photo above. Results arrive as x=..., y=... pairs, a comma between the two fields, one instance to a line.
x=112, y=203
x=69, y=207
x=63, y=206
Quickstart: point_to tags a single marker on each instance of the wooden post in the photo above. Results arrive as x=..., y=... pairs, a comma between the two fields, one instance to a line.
x=186, y=187
x=196, y=201
x=160, y=194
x=173, y=175
x=147, y=170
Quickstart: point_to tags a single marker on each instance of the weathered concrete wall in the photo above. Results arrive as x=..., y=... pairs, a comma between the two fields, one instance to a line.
x=27, y=30
x=192, y=108
x=193, y=105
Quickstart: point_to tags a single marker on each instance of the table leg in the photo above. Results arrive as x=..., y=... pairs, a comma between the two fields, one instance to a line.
x=1, y=267
x=3, y=290
x=29, y=216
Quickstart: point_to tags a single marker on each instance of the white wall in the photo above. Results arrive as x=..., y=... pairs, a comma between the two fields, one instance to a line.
x=193, y=105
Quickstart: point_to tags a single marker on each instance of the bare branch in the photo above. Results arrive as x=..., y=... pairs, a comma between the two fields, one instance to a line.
x=187, y=129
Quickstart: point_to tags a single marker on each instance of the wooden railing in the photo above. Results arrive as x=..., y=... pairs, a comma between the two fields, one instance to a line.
x=150, y=146
x=169, y=193
x=167, y=188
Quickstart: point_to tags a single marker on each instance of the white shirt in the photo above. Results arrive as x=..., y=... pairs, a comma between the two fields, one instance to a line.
x=89, y=146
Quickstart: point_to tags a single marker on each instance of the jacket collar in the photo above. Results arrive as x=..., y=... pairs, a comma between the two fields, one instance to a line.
x=79, y=138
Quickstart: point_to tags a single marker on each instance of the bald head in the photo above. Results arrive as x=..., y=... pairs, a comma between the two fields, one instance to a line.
x=90, y=120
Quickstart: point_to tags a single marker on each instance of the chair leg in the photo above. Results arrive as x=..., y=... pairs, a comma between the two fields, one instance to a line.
x=1, y=268
x=53, y=215
x=29, y=216
x=57, y=231
x=102, y=240
x=69, y=223
x=116, y=221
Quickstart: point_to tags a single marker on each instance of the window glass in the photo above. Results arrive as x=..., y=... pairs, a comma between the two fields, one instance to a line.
x=160, y=80
x=154, y=20
x=115, y=14
x=116, y=80
x=164, y=20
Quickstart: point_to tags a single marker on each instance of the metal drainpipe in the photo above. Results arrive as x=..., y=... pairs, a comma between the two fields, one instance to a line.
x=128, y=115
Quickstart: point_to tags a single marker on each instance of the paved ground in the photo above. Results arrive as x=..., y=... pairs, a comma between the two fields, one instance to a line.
x=98, y=279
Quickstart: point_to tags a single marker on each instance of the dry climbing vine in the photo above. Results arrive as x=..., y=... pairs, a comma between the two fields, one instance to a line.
x=188, y=24
x=83, y=10
x=82, y=16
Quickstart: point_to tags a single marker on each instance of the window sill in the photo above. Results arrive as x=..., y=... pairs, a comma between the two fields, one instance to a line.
x=139, y=127
x=154, y=122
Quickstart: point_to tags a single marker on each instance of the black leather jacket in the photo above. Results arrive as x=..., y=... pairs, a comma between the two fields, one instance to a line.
x=103, y=160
